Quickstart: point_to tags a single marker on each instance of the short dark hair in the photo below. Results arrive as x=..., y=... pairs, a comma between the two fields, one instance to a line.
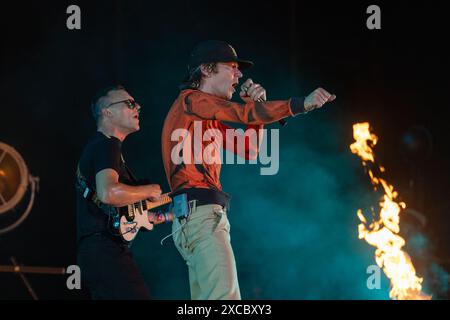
x=97, y=103
x=194, y=76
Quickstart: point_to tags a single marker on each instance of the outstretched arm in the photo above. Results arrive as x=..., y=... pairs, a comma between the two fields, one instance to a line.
x=205, y=106
x=255, y=111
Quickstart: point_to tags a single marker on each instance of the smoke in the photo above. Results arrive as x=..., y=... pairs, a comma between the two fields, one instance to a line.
x=438, y=281
x=295, y=234
x=420, y=247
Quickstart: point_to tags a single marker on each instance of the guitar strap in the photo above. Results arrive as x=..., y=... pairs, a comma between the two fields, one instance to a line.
x=89, y=193
x=130, y=173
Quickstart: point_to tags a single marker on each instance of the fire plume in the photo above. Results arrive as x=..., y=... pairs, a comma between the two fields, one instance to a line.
x=383, y=233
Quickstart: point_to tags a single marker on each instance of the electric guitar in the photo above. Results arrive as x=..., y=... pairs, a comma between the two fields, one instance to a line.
x=129, y=219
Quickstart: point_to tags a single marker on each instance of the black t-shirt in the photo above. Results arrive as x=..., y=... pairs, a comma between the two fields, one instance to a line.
x=100, y=153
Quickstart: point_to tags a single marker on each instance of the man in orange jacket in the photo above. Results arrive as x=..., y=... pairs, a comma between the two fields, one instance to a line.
x=203, y=237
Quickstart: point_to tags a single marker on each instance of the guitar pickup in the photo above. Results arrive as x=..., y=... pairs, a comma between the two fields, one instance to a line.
x=130, y=214
x=144, y=205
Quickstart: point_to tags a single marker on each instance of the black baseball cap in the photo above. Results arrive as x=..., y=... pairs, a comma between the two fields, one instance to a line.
x=215, y=51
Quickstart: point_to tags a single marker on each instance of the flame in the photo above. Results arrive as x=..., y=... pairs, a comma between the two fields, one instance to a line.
x=383, y=233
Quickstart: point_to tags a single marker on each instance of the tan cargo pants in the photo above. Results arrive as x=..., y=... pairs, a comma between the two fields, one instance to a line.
x=203, y=240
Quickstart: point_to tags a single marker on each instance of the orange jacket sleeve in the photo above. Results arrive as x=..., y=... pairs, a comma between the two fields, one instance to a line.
x=205, y=106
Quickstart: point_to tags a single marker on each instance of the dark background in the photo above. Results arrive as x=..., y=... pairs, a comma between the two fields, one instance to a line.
x=395, y=78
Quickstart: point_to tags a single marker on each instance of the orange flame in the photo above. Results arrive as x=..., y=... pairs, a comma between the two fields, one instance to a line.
x=383, y=233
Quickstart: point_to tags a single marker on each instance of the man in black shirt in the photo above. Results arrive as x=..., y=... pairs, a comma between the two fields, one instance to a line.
x=107, y=267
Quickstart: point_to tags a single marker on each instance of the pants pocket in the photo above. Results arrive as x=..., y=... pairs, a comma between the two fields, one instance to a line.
x=222, y=222
x=179, y=237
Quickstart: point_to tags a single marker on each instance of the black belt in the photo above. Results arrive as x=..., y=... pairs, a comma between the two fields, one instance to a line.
x=206, y=196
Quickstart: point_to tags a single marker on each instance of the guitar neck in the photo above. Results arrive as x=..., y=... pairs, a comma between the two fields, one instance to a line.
x=164, y=199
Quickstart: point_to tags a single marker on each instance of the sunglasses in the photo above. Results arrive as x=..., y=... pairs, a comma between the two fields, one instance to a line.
x=131, y=104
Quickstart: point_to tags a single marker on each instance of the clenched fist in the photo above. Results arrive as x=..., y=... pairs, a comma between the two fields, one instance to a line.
x=317, y=99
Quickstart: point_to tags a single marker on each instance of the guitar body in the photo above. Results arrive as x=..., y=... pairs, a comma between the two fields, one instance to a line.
x=130, y=226
x=138, y=215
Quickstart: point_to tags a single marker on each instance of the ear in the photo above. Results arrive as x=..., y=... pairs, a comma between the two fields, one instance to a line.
x=106, y=112
x=205, y=71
